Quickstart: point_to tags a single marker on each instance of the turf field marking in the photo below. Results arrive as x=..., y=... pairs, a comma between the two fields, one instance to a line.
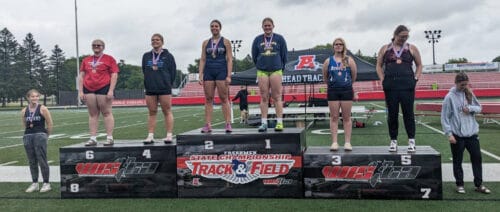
x=8, y=163
x=5, y=147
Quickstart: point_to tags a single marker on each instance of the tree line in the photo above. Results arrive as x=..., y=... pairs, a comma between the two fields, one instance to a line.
x=24, y=65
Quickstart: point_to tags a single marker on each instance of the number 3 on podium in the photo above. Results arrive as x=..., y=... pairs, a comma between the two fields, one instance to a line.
x=336, y=160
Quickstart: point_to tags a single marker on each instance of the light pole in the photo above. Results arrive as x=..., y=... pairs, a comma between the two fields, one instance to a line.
x=236, y=44
x=433, y=36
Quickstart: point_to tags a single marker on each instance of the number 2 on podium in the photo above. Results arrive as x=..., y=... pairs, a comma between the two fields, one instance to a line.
x=209, y=144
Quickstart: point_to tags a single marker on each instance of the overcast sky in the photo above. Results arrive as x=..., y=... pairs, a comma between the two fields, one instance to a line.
x=471, y=29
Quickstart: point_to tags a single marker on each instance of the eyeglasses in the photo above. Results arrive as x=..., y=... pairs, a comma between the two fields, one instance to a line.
x=403, y=36
x=155, y=39
x=338, y=44
x=96, y=45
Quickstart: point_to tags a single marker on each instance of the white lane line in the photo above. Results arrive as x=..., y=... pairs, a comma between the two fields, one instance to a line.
x=490, y=154
x=5, y=147
x=8, y=163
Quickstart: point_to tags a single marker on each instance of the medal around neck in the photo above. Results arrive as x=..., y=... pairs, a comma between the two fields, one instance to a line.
x=155, y=59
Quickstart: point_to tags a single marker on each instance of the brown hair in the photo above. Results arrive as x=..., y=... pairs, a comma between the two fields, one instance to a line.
x=158, y=35
x=461, y=77
x=345, y=59
x=268, y=19
x=399, y=29
x=216, y=21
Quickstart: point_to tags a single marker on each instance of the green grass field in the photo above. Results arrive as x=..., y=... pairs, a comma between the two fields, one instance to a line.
x=70, y=127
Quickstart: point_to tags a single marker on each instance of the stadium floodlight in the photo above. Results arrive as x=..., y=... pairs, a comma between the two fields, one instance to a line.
x=236, y=44
x=433, y=36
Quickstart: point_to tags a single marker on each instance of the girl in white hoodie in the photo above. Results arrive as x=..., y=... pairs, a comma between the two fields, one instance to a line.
x=460, y=126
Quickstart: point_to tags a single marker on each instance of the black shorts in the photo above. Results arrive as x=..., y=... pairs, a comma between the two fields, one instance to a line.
x=340, y=94
x=159, y=93
x=244, y=107
x=102, y=91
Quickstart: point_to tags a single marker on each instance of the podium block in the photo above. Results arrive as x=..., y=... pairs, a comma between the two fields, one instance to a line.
x=244, y=163
x=372, y=172
x=127, y=169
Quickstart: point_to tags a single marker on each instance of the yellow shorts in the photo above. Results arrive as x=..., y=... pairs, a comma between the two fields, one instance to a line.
x=261, y=73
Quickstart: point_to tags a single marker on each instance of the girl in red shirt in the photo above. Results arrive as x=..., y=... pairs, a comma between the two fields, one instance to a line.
x=96, y=85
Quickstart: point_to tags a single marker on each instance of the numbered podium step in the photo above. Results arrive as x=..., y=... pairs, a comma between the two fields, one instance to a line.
x=372, y=172
x=126, y=169
x=244, y=163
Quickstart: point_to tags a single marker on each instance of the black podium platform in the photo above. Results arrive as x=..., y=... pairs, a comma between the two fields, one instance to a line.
x=244, y=163
x=126, y=169
x=372, y=172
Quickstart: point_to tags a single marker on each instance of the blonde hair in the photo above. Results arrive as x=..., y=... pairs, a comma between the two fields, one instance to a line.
x=31, y=91
x=100, y=41
x=345, y=59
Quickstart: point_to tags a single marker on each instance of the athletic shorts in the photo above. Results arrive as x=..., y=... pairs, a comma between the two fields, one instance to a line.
x=261, y=73
x=340, y=94
x=243, y=107
x=102, y=91
x=214, y=75
x=159, y=93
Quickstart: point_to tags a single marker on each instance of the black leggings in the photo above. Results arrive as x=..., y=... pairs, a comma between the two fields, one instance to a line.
x=457, y=151
x=393, y=98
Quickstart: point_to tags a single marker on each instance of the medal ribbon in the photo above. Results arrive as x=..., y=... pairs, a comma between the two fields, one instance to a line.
x=155, y=59
x=400, y=52
x=32, y=115
x=214, y=45
x=268, y=44
x=95, y=62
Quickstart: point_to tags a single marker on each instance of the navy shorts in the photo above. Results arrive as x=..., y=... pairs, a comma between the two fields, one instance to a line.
x=340, y=94
x=214, y=75
x=102, y=91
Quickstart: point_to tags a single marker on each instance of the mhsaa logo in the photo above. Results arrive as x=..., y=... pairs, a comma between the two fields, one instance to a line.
x=240, y=169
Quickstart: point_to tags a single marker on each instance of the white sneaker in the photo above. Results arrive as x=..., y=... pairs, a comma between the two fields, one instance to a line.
x=45, y=187
x=149, y=140
x=393, y=147
x=411, y=146
x=33, y=187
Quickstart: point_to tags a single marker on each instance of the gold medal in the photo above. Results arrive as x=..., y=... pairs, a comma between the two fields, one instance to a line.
x=31, y=125
x=94, y=71
x=399, y=61
x=155, y=67
x=213, y=55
